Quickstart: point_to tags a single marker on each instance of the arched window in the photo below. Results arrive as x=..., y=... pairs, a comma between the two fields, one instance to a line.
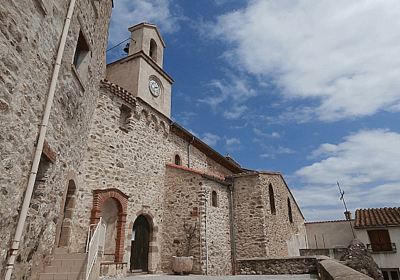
x=271, y=199
x=153, y=50
x=178, y=160
x=214, y=199
x=289, y=211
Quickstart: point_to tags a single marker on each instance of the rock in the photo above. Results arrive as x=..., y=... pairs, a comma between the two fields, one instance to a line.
x=358, y=258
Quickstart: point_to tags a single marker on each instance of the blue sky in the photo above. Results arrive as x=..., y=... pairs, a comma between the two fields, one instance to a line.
x=310, y=89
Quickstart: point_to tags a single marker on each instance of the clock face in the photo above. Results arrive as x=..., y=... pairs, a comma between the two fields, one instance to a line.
x=154, y=87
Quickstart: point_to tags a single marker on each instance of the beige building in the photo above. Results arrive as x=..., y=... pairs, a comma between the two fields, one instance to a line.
x=112, y=154
x=377, y=228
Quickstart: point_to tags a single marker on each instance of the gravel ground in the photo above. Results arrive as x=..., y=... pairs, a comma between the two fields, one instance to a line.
x=202, y=277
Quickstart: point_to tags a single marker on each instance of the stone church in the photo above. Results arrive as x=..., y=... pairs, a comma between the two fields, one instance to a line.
x=111, y=153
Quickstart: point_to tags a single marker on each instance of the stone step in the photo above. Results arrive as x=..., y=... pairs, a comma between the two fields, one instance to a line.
x=61, y=276
x=61, y=250
x=74, y=256
x=64, y=269
x=68, y=262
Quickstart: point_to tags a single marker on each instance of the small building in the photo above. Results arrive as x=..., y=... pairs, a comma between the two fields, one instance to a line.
x=379, y=230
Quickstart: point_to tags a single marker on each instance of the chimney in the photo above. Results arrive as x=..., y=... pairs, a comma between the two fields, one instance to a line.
x=347, y=214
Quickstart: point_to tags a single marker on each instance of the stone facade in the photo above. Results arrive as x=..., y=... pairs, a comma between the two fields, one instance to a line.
x=29, y=36
x=273, y=266
x=115, y=156
x=257, y=234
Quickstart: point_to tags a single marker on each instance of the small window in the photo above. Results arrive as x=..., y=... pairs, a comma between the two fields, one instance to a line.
x=124, y=118
x=81, y=57
x=380, y=240
x=178, y=160
x=289, y=211
x=153, y=50
x=271, y=199
x=214, y=199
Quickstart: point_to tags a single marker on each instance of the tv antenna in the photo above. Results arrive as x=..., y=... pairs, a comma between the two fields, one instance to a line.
x=345, y=208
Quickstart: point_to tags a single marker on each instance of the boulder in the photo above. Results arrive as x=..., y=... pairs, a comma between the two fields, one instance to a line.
x=358, y=258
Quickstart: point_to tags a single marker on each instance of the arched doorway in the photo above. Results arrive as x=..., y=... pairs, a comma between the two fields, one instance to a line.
x=68, y=209
x=141, y=232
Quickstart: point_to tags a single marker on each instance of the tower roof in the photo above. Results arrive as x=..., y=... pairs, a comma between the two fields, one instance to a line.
x=150, y=25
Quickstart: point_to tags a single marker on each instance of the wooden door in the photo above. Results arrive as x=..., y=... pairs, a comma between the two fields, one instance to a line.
x=140, y=244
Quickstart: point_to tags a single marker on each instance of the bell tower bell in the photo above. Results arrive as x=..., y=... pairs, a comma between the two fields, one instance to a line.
x=141, y=72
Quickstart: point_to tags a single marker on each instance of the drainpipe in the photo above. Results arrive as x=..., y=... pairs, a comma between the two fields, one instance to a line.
x=39, y=147
x=232, y=229
x=188, y=151
x=205, y=228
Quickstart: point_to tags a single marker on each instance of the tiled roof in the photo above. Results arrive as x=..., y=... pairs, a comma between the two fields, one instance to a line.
x=376, y=217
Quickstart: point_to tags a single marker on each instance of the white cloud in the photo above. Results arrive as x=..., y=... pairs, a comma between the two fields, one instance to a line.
x=344, y=54
x=232, y=141
x=185, y=117
x=210, y=139
x=367, y=165
x=130, y=12
x=364, y=157
x=258, y=132
x=235, y=112
x=232, y=144
x=274, y=151
x=231, y=94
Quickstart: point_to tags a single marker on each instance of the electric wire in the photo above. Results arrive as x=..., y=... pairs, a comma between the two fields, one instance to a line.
x=118, y=44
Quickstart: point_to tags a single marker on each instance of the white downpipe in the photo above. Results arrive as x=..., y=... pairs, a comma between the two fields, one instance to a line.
x=205, y=229
x=39, y=146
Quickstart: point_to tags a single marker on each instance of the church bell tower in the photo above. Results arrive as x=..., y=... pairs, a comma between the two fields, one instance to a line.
x=141, y=72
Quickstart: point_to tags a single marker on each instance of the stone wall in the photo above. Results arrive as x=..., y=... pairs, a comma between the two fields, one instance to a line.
x=197, y=159
x=188, y=201
x=216, y=227
x=293, y=265
x=331, y=270
x=29, y=36
x=250, y=234
x=334, y=253
x=257, y=234
x=133, y=160
x=182, y=205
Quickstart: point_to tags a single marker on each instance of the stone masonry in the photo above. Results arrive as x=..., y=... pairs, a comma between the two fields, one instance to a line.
x=29, y=36
x=115, y=154
x=257, y=233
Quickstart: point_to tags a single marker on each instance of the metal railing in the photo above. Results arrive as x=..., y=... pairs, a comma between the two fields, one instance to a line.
x=382, y=248
x=94, y=245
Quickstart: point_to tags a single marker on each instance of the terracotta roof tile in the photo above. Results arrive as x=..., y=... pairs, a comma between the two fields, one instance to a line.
x=375, y=217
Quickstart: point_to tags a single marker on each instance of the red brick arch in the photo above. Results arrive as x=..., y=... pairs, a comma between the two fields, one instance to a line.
x=99, y=197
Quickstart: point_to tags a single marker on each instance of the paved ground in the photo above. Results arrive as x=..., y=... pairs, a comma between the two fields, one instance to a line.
x=201, y=277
